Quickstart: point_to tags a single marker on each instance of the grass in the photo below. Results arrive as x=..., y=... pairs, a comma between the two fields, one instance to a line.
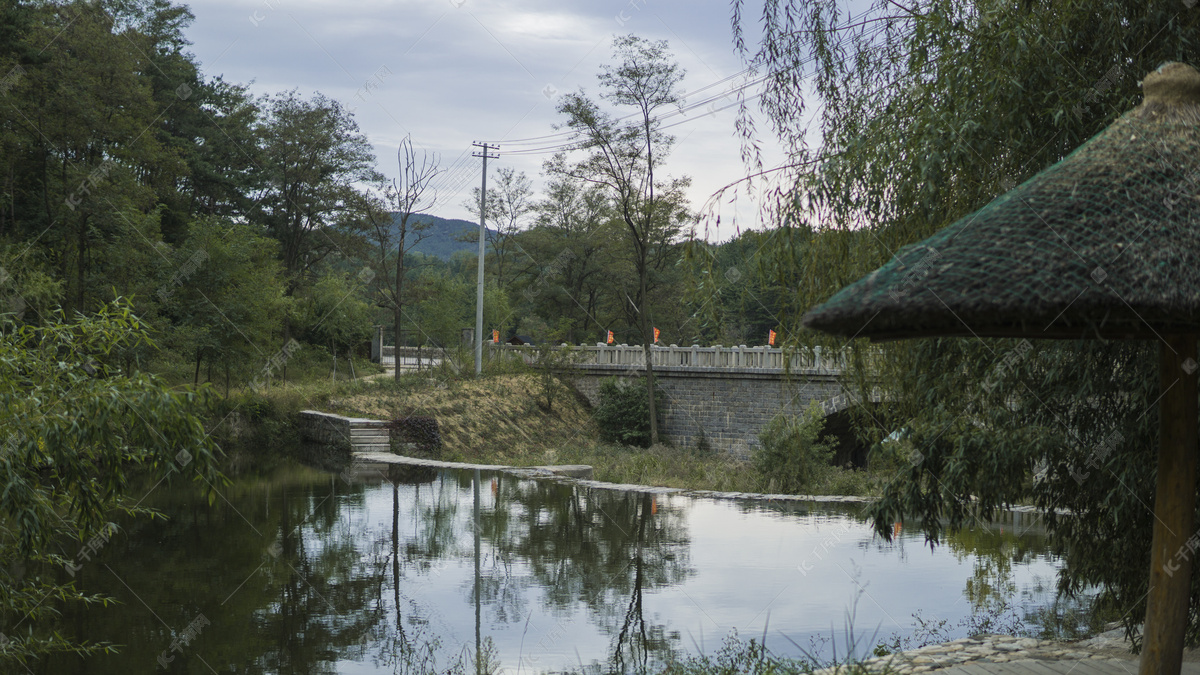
x=501, y=419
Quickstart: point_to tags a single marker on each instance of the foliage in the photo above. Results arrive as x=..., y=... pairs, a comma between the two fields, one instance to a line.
x=335, y=314
x=623, y=414
x=314, y=157
x=739, y=657
x=223, y=295
x=792, y=454
x=76, y=428
x=551, y=363
x=928, y=111
x=623, y=160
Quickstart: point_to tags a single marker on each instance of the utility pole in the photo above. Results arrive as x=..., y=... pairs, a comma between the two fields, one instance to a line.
x=484, y=147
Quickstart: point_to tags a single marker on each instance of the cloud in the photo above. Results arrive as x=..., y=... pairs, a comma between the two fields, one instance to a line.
x=451, y=72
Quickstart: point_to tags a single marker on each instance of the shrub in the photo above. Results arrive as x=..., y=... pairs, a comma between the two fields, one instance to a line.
x=418, y=432
x=623, y=415
x=792, y=454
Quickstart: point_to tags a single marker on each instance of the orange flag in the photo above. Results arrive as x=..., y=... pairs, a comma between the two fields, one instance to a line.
x=610, y=337
x=771, y=338
x=656, y=336
x=496, y=337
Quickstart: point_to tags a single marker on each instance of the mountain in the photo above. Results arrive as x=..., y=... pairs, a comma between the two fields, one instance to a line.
x=442, y=238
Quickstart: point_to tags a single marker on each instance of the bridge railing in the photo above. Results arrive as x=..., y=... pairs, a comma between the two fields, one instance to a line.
x=764, y=357
x=410, y=357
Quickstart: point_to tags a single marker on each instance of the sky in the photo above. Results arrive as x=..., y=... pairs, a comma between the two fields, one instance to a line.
x=454, y=72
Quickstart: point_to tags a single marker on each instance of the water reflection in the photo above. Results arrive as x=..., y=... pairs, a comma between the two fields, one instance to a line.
x=405, y=569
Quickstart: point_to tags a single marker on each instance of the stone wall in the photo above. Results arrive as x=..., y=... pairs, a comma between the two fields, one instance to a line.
x=725, y=406
x=333, y=430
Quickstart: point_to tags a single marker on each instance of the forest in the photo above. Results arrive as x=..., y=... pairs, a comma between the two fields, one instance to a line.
x=233, y=223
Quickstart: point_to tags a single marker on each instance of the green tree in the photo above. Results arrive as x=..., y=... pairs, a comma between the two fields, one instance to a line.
x=83, y=142
x=313, y=159
x=444, y=310
x=336, y=316
x=509, y=204
x=224, y=298
x=625, y=159
x=793, y=454
x=570, y=259
x=75, y=428
x=929, y=110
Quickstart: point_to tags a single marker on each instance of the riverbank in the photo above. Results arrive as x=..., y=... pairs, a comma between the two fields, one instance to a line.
x=582, y=475
x=501, y=419
x=1103, y=652
x=1107, y=647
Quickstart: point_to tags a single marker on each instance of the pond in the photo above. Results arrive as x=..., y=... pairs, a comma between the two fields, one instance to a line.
x=382, y=568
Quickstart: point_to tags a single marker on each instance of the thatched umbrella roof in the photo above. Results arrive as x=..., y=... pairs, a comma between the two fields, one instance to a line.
x=1103, y=243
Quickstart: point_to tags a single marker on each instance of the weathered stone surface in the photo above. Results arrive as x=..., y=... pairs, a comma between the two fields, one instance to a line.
x=726, y=407
x=992, y=649
x=352, y=433
x=570, y=470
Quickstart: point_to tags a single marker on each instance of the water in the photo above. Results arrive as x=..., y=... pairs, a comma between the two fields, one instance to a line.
x=304, y=571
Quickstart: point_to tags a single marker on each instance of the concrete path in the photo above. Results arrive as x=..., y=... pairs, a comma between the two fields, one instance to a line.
x=580, y=474
x=1104, y=654
x=1060, y=667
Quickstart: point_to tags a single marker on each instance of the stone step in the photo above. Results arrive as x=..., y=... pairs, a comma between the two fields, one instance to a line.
x=370, y=447
x=372, y=433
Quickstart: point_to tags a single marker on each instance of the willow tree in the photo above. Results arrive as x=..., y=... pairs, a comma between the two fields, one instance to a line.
x=625, y=158
x=926, y=111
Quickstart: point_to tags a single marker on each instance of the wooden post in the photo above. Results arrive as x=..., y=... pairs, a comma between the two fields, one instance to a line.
x=1174, y=503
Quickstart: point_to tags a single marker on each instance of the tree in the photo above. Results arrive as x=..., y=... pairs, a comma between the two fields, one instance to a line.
x=78, y=170
x=931, y=109
x=508, y=205
x=224, y=296
x=398, y=230
x=336, y=316
x=76, y=428
x=313, y=160
x=624, y=158
x=570, y=259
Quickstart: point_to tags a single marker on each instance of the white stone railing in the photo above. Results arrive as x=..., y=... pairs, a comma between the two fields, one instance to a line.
x=411, y=357
x=767, y=358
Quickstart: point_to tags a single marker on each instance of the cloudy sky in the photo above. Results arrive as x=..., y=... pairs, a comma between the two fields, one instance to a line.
x=451, y=72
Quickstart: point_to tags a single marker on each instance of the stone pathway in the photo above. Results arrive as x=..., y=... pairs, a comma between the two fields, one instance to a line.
x=1105, y=654
x=580, y=475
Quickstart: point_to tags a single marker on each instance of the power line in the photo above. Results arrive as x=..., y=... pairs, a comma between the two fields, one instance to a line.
x=680, y=110
x=570, y=140
x=575, y=140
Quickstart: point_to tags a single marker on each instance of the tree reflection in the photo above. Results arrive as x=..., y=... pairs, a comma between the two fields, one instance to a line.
x=290, y=582
x=276, y=572
x=599, y=548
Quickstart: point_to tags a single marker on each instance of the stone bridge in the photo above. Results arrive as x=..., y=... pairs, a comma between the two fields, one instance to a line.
x=724, y=396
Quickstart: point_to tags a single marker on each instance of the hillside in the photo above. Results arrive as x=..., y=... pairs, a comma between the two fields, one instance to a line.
x=443, y=237
x=495, y=417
